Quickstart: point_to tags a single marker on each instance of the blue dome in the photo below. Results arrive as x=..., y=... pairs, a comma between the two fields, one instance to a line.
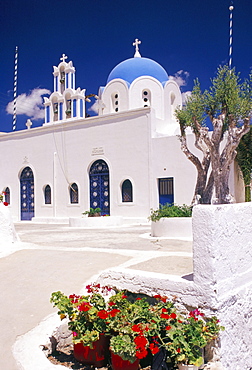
x=130, y=69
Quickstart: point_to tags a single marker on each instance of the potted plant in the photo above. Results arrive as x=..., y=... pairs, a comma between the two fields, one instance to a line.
x=171, y=220
x=87, y=323
x=129, y=324
x=184, y=335
x=93, y=212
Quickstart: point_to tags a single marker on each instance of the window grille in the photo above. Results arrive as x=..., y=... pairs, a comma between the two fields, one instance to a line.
x=74, y=193
x=127, y=191
x=48, y=194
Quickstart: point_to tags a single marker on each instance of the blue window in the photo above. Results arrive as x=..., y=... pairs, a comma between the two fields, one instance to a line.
x=48, y=194
x=7, y=195
x=166, y=192
x=74, y=193
x=127, y=195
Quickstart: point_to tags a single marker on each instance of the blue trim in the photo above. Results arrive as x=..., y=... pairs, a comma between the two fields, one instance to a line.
x=81, y=107
x=67, y=80
x=74, y=108
x=72, y=80
x=47, y=113
x=56, y=83
x=61, y=111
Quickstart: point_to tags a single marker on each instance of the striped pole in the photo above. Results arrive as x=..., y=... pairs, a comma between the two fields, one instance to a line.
x=231, y=8
x=15, y=91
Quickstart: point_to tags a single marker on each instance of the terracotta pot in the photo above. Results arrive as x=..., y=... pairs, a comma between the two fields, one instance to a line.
x=97, y=356
x=119, y=364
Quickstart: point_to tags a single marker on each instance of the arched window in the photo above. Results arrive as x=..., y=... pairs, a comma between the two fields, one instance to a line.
x=115, y=102
x=7, y=195
x=74, y=193
x=48, y=194
x=146, y=96
x=127, y=195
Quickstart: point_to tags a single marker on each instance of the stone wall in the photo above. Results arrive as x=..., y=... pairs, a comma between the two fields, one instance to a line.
x=221, y=283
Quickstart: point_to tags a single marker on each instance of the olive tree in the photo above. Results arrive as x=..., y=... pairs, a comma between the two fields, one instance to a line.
x=244, y=160
x=228, y=105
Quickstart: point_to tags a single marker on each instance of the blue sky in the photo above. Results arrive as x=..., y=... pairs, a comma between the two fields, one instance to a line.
x=181, y=35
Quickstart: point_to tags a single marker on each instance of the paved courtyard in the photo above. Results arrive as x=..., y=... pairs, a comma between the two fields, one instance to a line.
x=55, y=257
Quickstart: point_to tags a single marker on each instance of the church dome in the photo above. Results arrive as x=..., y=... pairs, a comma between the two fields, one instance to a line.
x=132, y=68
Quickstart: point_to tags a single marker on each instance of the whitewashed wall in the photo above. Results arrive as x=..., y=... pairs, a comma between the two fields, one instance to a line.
x=221, y=283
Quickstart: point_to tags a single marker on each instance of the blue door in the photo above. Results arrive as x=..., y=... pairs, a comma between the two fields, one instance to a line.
x=166, y=193
x=27, y=194
x=99, y=186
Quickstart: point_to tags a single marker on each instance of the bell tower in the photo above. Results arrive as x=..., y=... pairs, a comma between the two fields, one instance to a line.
x=65, y=102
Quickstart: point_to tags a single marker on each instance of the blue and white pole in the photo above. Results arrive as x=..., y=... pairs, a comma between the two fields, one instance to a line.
x=15, y=91
x=231, y=8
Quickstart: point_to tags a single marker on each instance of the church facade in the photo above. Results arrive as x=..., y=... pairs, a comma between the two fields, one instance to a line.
x=126, y=160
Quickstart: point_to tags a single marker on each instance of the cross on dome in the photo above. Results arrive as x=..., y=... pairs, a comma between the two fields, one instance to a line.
x=136, y=43
x=63, y=57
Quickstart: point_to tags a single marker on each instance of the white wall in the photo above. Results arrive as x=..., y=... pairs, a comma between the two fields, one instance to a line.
x=221, y=284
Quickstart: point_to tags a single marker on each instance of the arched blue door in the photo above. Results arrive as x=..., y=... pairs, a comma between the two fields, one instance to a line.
x=99, y=186
x=27, y=194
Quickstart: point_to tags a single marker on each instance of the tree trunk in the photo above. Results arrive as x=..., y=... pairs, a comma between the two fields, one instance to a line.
x=247, y=193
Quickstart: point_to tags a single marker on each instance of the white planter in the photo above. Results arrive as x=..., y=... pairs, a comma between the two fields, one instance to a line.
x=95, y=222
x=187, y=367
x=172, y=227
x=7, y=230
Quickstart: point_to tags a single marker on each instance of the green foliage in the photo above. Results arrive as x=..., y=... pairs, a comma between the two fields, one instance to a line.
x=92, y=211
x=227, y=95
x=137, y=325
x=170, y=210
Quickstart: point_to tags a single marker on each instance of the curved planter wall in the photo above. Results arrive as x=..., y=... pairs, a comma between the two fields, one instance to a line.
x=172, y=227
x=95, y=221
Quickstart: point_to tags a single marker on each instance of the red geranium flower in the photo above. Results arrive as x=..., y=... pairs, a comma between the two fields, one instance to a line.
x=103, y=314
x=168, y=327
x=140, y=341
x=173, y=315
x=141, y=354
x=178, y=350
x=164, y=316
x=154, y=349
x=136, y=328
x=114, y=312
x=84, y=306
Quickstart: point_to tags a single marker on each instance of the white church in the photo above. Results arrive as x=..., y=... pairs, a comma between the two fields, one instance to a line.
x=126, y=160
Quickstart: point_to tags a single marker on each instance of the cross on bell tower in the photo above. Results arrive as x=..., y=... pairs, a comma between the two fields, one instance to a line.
x=136, y=43
x=63, y=58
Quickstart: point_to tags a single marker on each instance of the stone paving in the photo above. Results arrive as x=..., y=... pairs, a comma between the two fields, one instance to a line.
x=55, y=257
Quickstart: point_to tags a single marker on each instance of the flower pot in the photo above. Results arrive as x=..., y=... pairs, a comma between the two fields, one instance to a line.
x=187, y=367
x=97, y=356
x=119, y=364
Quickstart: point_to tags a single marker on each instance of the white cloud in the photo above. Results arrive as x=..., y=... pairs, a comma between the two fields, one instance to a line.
x=94, y=107
x=180, y=77
x=31, y=105
x=185, y=96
